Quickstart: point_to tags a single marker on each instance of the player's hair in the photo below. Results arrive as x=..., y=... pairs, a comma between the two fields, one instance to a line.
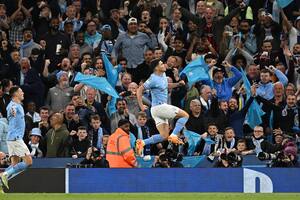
x=13, y=90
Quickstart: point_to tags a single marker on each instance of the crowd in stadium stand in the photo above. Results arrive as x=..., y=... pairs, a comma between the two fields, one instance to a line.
x=46, y=43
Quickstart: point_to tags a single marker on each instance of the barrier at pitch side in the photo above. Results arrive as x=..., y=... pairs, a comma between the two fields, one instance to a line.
x=266, y=180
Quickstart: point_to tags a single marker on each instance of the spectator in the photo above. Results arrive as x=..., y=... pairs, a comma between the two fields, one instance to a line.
x=96, y=107
x=258, y=143
x=3, y=134
x=265, y=89
x=31, y=112
x=28, y=44
x=79, y=143
x=19, y=20
x=60, y=95
x=229, y=141
x=119, y=153
x=196, y=119
x=36, y=145
x=122, y=112
x=206, y=148
x=71, y=120
x=222, y=85
x=142, y=131
x=57, y=137
x=92, y=37
x=43, y=124
x=56, y=43
x=96, y=133
x=71, y=16
x=209, y=25
x=131, y=45
x=31, y=83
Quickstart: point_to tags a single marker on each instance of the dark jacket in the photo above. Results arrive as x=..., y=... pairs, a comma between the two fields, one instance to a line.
x=33, y=88
x=57, y=142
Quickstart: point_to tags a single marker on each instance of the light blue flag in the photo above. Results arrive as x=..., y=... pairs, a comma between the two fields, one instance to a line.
x=197, y=70
x=193, y=139
x=284, y=3
x=132, y=140
x=208, y=141
x=112, y=73
x=99, y=83
x=255, y=112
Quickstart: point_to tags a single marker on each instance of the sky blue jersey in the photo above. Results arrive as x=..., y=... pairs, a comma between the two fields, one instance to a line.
x=158, y=86
x=16, y=124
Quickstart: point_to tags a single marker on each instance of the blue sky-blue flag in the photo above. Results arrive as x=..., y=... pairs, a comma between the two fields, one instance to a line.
x=255, y=112
x=111, y=72
x=197, y=70
x=193, y=139
x=99, y=83
x=284, y=3
x=208, y=141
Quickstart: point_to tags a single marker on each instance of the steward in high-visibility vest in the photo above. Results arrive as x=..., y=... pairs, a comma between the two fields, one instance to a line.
x=119, y=153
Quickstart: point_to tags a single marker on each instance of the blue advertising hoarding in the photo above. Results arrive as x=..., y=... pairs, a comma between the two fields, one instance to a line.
x=184, y=180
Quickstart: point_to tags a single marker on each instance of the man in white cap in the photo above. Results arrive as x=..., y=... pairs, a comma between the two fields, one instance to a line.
x=131, y=45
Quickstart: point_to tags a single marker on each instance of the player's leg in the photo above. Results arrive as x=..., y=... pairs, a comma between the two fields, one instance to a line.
x=19, y=150
x=163, y=129
x=182, y=117
x=172, y=112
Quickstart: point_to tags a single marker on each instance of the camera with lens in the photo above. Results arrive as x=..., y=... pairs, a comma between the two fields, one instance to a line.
x=169, y=158
x=270, y=156
x=232, y=158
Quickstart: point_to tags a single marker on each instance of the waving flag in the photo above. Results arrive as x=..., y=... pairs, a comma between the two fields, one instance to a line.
x=255, y=112
x=98, y=83
x=197, y=70
x=193, y=139
x=111, y=72
x=284, y=3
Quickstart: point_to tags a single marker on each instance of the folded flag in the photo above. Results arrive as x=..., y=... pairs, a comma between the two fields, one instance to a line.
x=255, y=112
x=193, y=139
x=112, y=73
x=197, y=70
x=99, y=83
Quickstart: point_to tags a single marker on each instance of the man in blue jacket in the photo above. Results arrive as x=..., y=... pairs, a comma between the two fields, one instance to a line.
x=222, y=85
x=265, y=88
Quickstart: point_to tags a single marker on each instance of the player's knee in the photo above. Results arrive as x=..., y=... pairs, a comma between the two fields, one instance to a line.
x=28, y=161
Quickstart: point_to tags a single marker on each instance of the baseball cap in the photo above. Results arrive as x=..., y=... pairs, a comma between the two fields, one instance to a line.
x=217, y=69
x=36, y=132
x=132, y=20
x=106, y=27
